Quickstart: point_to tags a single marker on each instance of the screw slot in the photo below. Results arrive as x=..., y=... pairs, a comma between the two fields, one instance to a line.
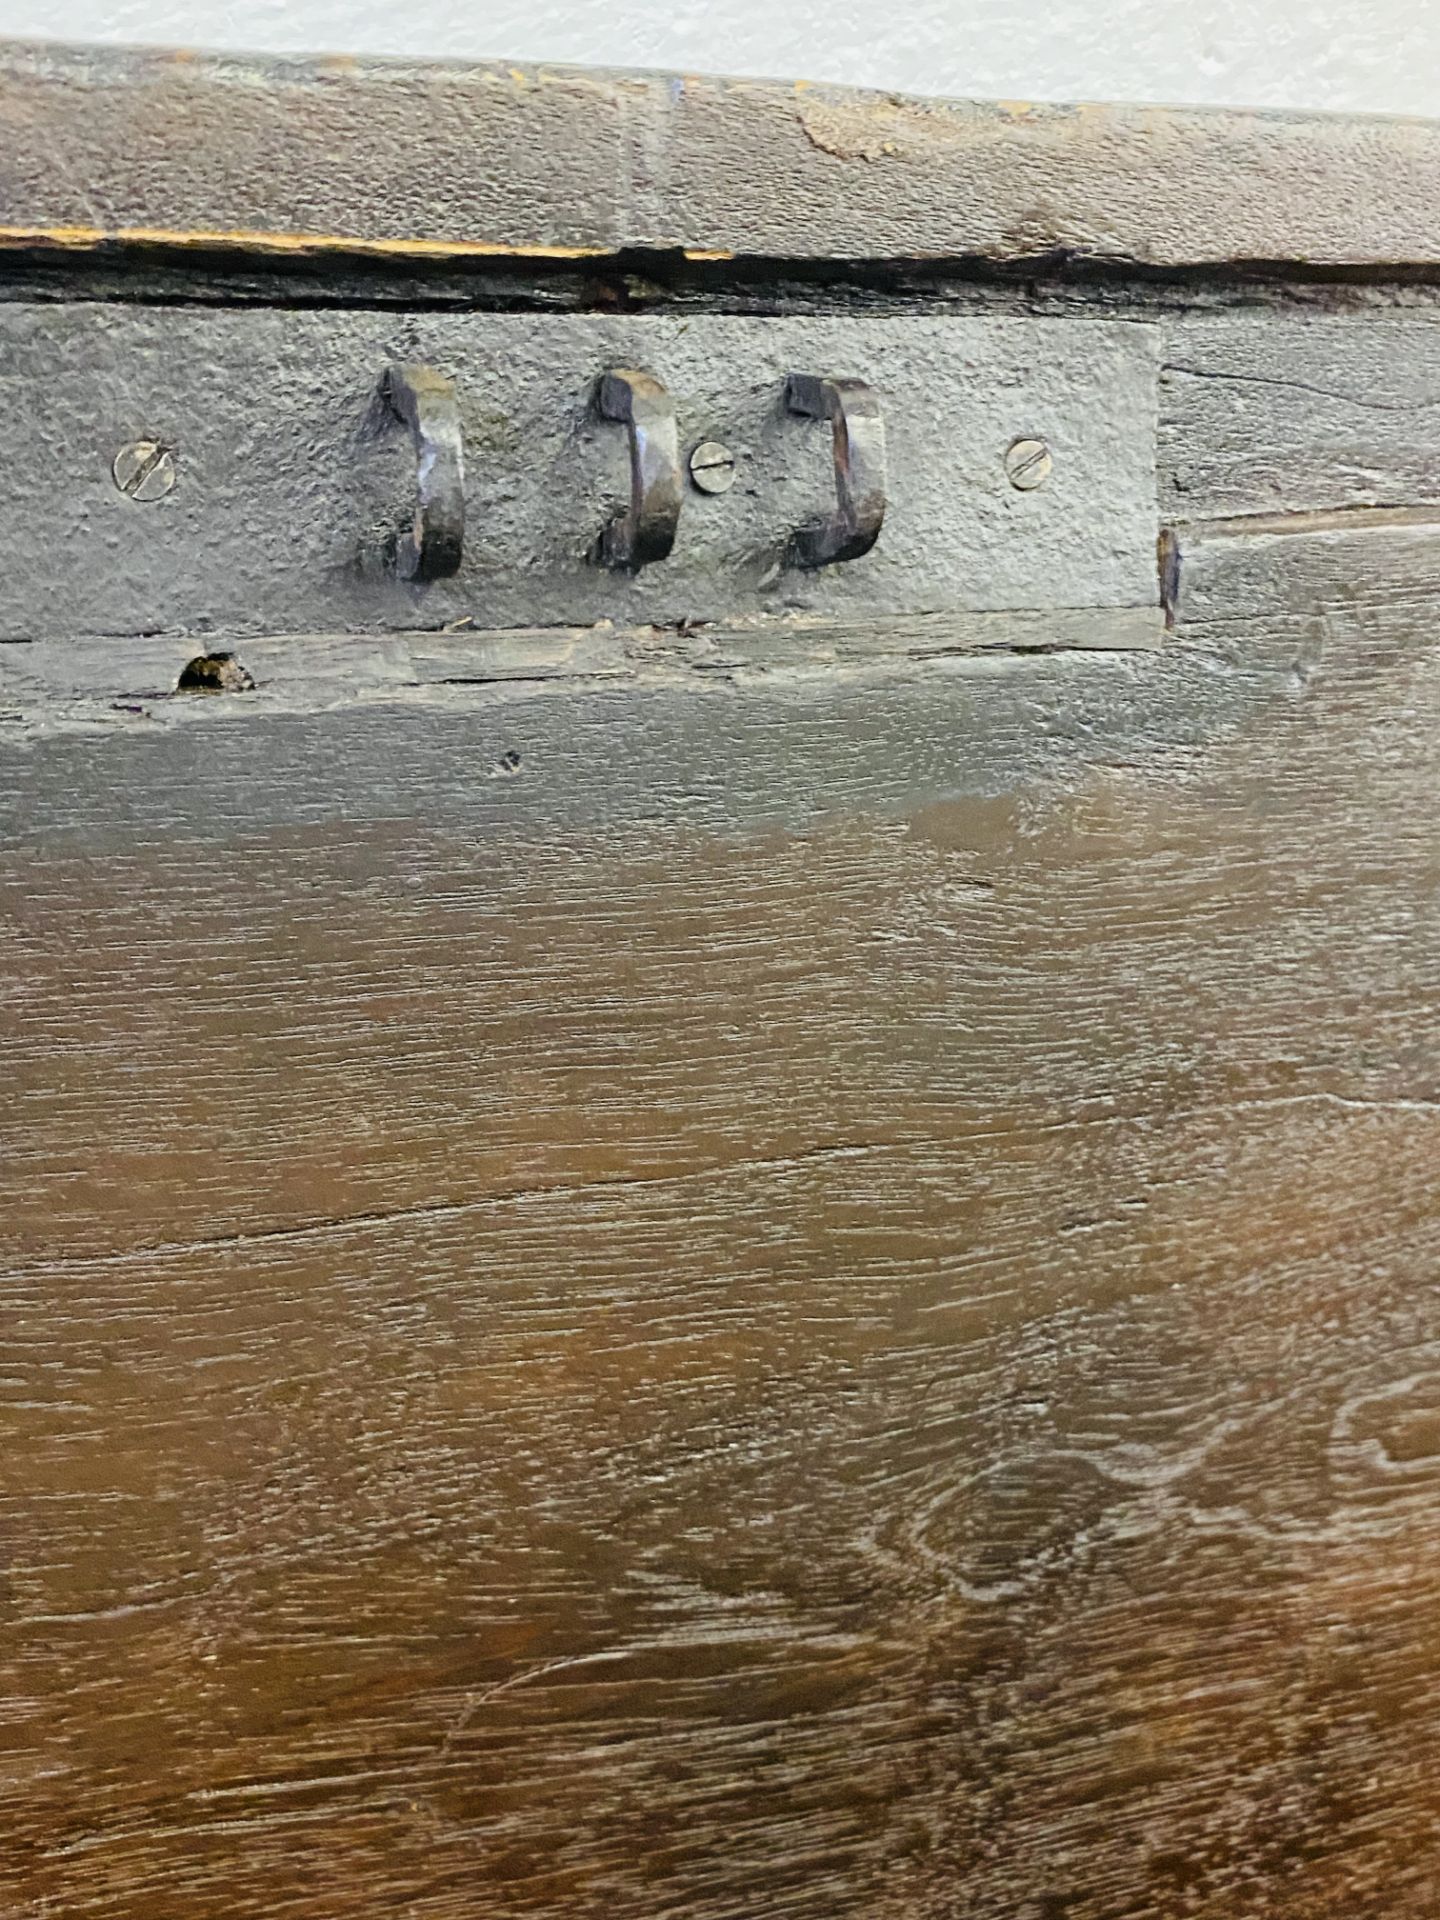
x=144, y=470
x=712, y=467
x=1028, y=464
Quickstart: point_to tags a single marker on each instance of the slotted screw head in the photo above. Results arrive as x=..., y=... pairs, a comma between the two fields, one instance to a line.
x=712, y=467
x=144, y=470
x=1029, y=464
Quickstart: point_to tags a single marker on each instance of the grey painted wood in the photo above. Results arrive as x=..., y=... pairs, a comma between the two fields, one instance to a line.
x=291, y=481
x=1344, y=568
x=416, y=161
x=1263, y=413
x=49, y=685
x=530, y=782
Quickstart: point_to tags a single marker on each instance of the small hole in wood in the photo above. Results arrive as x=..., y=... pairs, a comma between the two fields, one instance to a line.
x=214, y=673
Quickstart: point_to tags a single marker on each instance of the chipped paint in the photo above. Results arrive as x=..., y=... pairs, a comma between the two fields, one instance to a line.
x=249, y=240
x=850, y=130
x=624, y=158
x=245, y=239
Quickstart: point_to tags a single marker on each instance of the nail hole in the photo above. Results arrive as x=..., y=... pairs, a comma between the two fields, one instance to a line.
x=214, y=673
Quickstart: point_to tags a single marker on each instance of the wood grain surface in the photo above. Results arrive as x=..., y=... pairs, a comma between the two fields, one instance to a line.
x=421, y=161
x=774, y=1271
x=800, y=1294
x=1320, y=412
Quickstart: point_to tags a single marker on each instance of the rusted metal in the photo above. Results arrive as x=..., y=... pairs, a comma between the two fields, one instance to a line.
x=858, y=442
x=425, y=400
x=313, y=548
x=646, y=531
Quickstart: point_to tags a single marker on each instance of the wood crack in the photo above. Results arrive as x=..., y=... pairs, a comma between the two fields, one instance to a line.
x=306, y=1230
x=1301, y=386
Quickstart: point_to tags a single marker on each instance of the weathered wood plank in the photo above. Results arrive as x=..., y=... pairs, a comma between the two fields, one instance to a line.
x=570, y=802
x=1341, y=568
x=413, y=161
x=778, y=1269
x=1268, y=414
x=52, y=685
x=894, y=1348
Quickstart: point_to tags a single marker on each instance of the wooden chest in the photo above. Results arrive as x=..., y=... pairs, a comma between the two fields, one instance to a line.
x=721, y=1077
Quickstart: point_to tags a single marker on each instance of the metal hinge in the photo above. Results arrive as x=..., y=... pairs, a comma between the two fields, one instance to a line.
x=297, y=471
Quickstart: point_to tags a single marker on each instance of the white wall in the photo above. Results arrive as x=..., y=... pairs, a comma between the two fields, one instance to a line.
x=1383, y=57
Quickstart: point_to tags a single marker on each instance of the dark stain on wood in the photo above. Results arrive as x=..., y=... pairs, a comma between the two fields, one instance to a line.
x=736, y=1354
x=214, y=673
x=766, y=1271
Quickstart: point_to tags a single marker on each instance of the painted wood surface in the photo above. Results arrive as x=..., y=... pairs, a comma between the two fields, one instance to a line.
x=809, y=1298
x=417, y=161
x=1269, y=421
x=292, y=477
x=1315, y=412
x=1334, y=568
x=784, y=1269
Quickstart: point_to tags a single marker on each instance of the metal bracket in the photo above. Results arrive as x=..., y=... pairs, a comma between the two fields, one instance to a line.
x=361, y=515
x=425, y=400
x=858, y=439
x=646, y=532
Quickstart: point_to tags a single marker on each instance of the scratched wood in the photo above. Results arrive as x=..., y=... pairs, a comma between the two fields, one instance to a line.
x=1320, y=411
x=540, y=791
x=427, y=160
x=1334, y=568
x=798, y=1295
x=91, y=683
x=779, y=1270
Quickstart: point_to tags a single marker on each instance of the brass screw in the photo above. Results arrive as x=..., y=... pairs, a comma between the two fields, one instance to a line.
x=144, y=470
x=1029, y=464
